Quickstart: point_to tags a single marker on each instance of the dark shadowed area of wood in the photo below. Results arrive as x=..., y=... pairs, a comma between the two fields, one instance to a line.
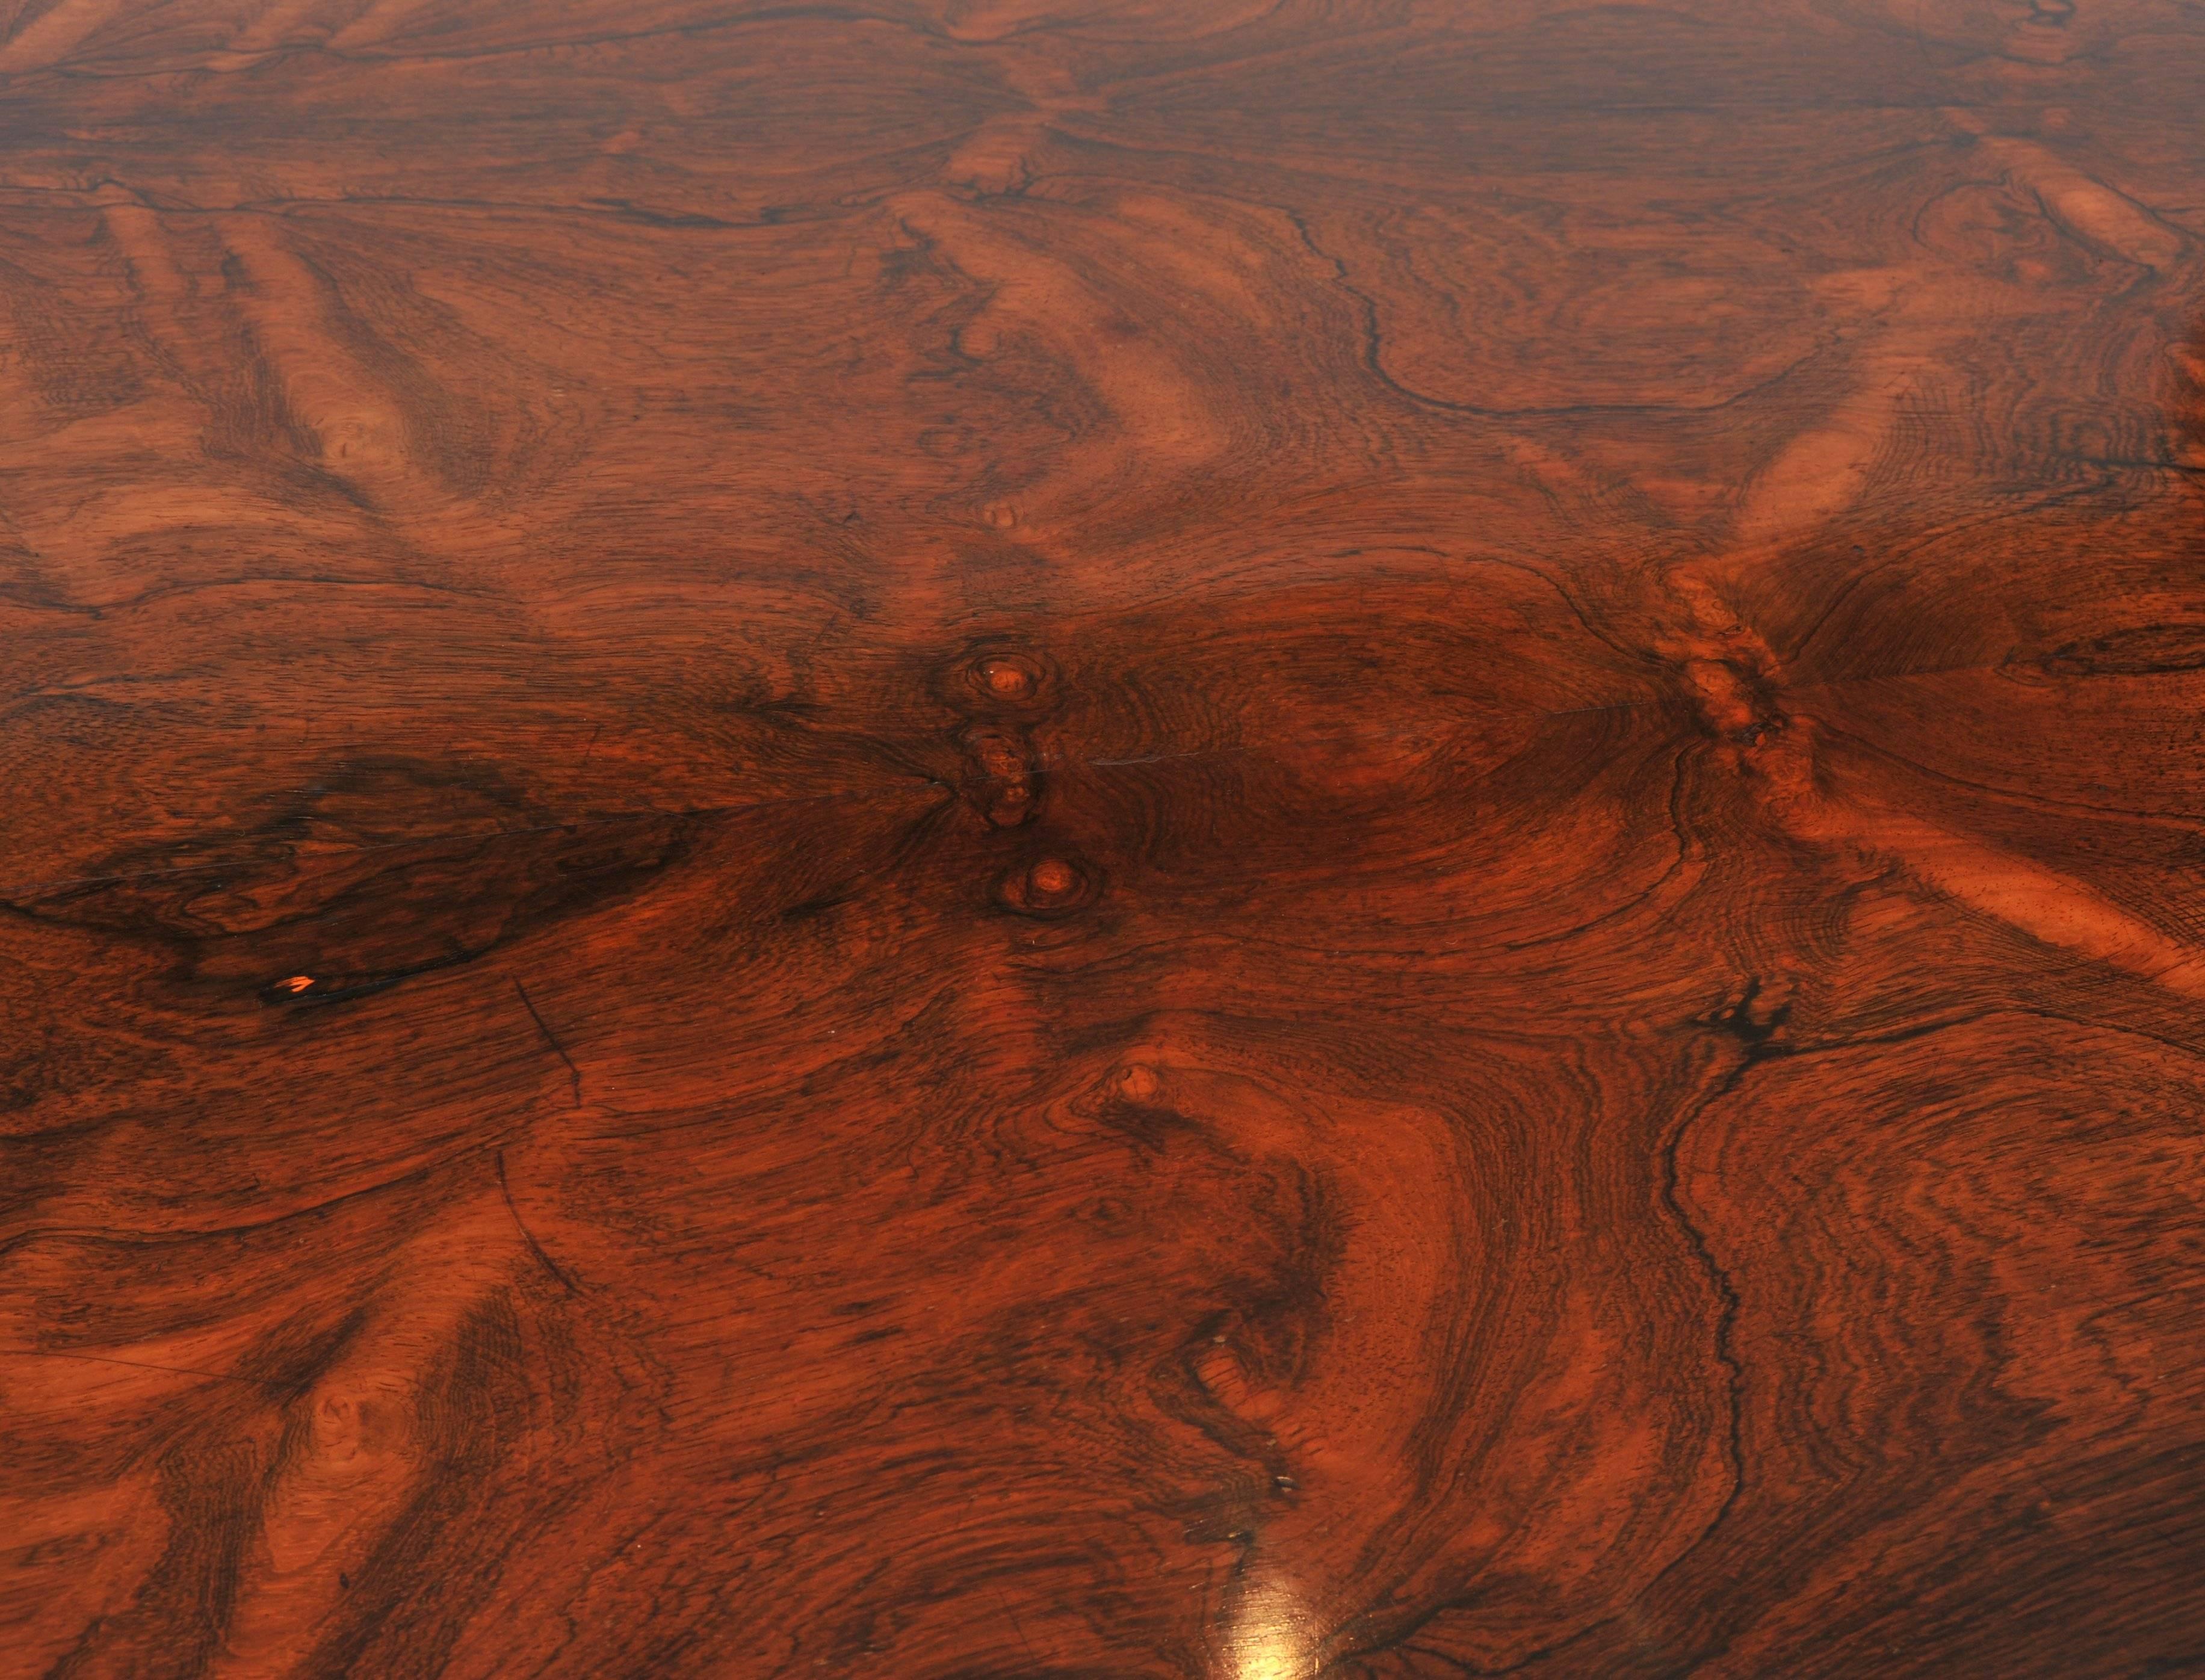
x=1102, y=840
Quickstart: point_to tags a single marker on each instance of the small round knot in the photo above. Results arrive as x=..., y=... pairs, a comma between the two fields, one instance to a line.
x=1052, y=878
x=1048, y=887
x=1137, y=1082
x=1005, y=681
x=1010, y=805
x=1000, y=676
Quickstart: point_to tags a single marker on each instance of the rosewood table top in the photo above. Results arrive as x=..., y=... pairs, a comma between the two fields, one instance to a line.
x=1102, y=840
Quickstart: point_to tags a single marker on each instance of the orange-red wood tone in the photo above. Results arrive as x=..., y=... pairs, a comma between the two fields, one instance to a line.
x=1004, y=839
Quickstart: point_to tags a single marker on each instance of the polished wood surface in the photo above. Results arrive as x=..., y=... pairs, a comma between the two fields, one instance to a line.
x=1019, y=838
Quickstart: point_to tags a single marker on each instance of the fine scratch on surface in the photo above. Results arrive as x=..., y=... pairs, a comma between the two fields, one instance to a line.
x=528, y=1235
x=573, y=1073
x=137, y=1365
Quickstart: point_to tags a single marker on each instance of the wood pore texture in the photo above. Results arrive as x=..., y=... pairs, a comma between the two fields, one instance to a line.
x=1080, y=839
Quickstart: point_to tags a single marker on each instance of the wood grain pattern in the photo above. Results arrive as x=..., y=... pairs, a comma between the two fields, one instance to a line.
x=1003, y=838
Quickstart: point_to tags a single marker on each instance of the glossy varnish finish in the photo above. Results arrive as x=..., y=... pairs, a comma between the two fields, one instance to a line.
x=1014, y=840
